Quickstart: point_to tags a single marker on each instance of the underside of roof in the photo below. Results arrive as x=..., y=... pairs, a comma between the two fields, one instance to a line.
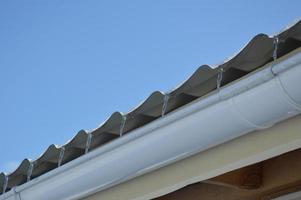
x=261, y=50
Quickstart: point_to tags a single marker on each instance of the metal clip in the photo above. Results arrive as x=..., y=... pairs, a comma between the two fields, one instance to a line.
x=275, y=43
x=165, y=102
x=219, y=78
x=5, y=184
x=61, y=156
x=122, y=125
x=30, y=170
x=88, y=142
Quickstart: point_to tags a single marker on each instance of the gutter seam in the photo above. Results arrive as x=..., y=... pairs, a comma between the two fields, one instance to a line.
x=237, y=111
x=286, y=95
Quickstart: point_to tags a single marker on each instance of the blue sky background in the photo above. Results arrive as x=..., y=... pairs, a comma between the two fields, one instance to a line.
x=67, y=65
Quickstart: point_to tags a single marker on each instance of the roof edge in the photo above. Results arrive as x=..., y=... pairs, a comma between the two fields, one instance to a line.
x=235, y=107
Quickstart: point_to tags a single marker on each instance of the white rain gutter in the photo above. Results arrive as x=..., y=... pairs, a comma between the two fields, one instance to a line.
x=255, y=102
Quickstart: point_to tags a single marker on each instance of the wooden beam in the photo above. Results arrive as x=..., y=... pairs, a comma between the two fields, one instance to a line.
x=263, y=181
x=249, y=177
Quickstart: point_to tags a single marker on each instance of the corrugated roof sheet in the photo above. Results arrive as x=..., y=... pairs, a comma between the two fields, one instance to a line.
x=260, y=50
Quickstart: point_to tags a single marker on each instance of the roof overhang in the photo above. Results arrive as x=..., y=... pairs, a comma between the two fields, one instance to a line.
x=257, y=101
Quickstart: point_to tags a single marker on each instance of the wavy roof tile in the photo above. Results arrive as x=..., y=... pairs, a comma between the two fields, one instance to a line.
x=260, y=50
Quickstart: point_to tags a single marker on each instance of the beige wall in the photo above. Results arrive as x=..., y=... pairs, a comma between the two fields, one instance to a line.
x=243, y=151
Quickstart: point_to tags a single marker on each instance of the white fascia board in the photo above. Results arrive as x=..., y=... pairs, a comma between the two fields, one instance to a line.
x=258, y=101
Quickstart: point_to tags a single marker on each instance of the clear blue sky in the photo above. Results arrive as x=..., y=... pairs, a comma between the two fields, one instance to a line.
x=67, y=65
